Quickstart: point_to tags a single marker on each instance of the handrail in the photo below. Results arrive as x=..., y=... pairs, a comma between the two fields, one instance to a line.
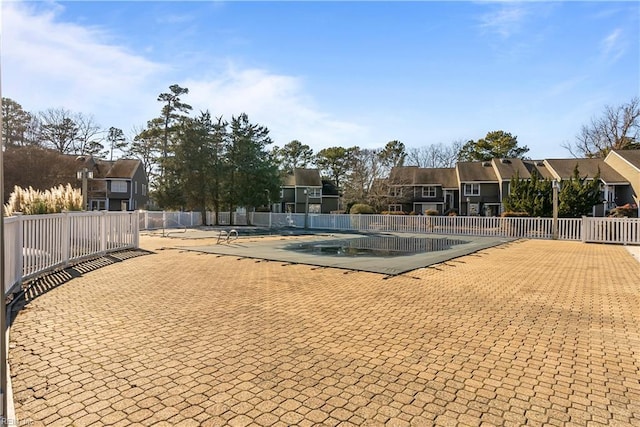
x=226, y=236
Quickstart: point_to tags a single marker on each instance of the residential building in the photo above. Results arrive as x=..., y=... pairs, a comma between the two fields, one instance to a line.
x=304, y=191
x=118, y=185
x=479, y=188
x=615, y=188
x=418, y=190
x=627, y=164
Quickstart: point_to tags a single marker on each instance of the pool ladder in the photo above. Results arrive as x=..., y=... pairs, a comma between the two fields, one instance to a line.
x=227, y=236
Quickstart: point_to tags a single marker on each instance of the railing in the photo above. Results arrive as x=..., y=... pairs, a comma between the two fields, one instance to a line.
x=154, y=220
x=535, y=228
x=35, y=244
x=586, y=229
x=612, y=230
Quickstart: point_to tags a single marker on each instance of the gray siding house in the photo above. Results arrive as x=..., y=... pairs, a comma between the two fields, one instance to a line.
x=118, y=185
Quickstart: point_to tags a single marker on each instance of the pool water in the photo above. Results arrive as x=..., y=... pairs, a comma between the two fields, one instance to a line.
x=376, y=246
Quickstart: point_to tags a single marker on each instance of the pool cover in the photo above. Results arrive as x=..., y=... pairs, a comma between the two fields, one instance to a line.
x=284, y=251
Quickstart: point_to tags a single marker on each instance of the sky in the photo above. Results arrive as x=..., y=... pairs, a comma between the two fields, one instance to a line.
x=332, y=73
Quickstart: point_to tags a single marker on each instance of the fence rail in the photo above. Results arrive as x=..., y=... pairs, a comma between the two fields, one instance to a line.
x=35, y=244
x=586, y=229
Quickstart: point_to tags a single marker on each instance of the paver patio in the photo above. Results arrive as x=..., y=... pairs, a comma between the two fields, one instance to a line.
x=527, y=333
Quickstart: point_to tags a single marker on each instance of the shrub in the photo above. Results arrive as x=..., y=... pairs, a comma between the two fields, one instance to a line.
x=361, y=208
x=393, y=213
x=623, y=212
x=36, y=202
x=514, y=214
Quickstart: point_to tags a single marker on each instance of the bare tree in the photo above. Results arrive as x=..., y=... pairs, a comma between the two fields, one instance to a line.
x=58, y=130
x=90, y=136
x=617, y=129
x=435, y=155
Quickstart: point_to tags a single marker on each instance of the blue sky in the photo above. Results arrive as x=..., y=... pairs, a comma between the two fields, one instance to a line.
x=333, y=73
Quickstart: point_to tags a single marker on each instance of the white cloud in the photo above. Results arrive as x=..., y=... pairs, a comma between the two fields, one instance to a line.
x=613, y=45
x=505, y=21
x=275, y=101
x=49, y=64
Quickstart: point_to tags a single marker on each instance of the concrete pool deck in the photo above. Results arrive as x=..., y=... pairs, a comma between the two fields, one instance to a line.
x=529, y=332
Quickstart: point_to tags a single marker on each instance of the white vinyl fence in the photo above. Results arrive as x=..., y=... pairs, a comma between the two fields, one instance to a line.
x=586, y=229
x=35, y=244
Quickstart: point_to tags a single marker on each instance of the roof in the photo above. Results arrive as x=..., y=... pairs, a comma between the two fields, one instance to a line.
x=508, y=168
x=476, y=172
x=123, y=168
x=413, y=175
x=631, y=156
x=563, y=169
x=540, y=167
x=303, y=178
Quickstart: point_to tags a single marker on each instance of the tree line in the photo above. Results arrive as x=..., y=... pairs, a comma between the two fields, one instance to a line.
x=199, y=161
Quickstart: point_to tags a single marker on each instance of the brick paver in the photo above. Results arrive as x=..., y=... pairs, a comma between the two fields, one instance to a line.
x=532, y=332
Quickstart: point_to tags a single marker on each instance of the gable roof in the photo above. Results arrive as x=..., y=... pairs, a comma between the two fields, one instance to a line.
x=121, y=168
x=303, y=178
x=415, y=176
x=563, y=169
x=631, y=156
x=508, y=168
x=540, y=167
x=476, y=172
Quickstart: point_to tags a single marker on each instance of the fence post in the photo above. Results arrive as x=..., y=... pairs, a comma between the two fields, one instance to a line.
x=135, y=229
x=583, y=231
x=19, y=244
x=104, y=219
x=66, y=232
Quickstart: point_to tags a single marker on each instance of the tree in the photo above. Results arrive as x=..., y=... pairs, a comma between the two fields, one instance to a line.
x=293, y=155
x=196, y=160
x=115, y=140
x=335, y=163
x=435, y=155
x=145, y=146
x=37, y=167
x=497, y=144
x=579, y=195
x=16, y=124
x=58, y=130
x=533, y=196
x=171, y=110
x=251, y=168
x=89, y=136
x=617, y=129
x=366, y=169
x=393, y=154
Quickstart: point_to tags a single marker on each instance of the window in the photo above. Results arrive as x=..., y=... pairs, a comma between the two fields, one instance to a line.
x=315, y=208
x=118, y=186
x=472, y=189
x=315, y=192
x=428, y=192
x=144, y=190
x=395, y=208
x=98, y=205
x=395, y=191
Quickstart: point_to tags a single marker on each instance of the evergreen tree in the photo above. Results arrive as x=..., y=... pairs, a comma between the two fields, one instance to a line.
x=579, y=195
